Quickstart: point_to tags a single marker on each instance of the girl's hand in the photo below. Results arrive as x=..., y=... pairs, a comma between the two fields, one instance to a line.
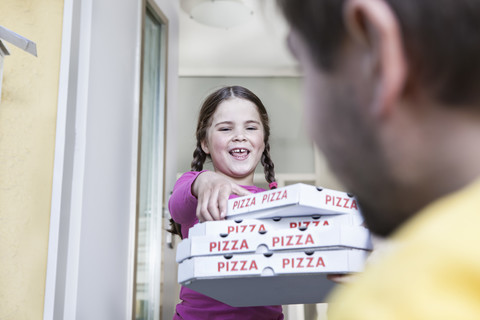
x=212, y=191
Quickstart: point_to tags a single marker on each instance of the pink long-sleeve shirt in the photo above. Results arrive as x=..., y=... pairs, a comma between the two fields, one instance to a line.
x=194, y=305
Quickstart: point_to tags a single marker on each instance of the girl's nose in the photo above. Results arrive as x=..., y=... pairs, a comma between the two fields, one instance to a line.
x=239, y=136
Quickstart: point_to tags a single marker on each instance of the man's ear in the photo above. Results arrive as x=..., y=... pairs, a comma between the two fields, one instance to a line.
x=373, y=24
x=205, y=147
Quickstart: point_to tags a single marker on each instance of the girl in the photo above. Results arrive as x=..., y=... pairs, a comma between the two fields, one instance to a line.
x=232, y=130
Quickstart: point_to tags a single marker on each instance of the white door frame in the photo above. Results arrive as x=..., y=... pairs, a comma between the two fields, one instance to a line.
x=91, y=242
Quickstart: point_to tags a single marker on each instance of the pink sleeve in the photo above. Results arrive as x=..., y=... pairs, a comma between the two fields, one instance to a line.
x=183, y=204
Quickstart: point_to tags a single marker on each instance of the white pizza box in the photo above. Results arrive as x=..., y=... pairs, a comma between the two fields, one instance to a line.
x=257, y=279
x=255, y=225
x=272, y=264
x=266, y=290
x=334, y=237
x=294, y=200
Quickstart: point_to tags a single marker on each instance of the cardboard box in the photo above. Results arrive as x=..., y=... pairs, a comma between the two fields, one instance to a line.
x=333, y=237
x=295, y=200
x=277, y=263
x=266, y=291
x=255, y=225
x=275, y=247
x=256, y=279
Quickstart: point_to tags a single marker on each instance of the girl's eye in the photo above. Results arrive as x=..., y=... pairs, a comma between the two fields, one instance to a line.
x=252, y=128
x=224, y=129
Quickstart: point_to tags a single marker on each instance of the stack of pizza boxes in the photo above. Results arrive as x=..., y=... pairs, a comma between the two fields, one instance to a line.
x=275, y=247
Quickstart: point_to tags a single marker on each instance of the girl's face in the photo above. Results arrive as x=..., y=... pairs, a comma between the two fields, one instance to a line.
x=235, y=140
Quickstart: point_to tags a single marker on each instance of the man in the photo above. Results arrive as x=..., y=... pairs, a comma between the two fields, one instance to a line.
x=392, y=93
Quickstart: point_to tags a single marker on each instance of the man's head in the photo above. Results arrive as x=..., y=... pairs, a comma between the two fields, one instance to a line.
x=375, y=73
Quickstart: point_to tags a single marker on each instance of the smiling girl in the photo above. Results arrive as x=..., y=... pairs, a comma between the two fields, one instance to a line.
x=233, y=131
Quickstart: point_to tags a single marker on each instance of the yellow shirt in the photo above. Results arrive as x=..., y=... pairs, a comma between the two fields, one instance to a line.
x=433, y=271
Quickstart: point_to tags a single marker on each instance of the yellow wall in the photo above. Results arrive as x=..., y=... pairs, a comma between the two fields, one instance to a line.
x=28, y=110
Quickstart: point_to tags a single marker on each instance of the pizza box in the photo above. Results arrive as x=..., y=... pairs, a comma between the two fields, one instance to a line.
x=266, y=291
x=268, y=279
x=294, y=200
x=255, y=225
x=334, y=237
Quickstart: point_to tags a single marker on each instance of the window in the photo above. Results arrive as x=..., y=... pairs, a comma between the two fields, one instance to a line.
x=151, y=169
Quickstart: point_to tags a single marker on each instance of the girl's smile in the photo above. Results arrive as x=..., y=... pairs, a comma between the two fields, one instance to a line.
x=235, y=140
x=239, y=153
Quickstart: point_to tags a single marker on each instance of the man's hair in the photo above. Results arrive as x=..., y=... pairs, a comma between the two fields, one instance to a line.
x=441, y=39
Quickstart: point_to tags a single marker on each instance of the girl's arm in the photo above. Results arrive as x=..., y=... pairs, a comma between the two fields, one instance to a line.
x=183, y=204
x=212, y=191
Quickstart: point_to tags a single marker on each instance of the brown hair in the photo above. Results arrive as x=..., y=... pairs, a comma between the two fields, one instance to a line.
x=440, y=39
x=207, y=110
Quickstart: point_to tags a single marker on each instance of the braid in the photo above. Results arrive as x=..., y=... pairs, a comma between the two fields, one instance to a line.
x=175, y=228
x=268, y=165
x=199, y=157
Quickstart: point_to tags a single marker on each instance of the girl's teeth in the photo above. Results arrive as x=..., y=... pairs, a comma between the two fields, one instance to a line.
x=239, y=150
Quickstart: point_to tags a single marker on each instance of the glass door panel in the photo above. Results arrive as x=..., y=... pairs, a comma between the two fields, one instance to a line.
x=150, y=183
